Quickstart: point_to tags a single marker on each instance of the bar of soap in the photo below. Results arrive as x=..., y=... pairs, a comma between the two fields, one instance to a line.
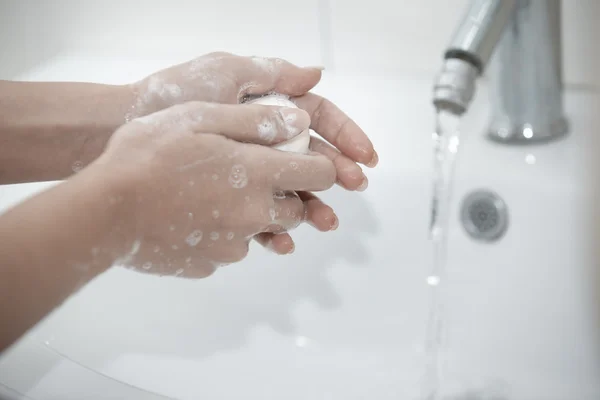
x=299, y=143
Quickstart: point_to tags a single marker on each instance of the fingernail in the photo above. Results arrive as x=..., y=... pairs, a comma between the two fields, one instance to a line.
x=334, y=224
x=363, y=186
x=317, y=67
x=374, y=161
x=294, y=119
x=292, y=249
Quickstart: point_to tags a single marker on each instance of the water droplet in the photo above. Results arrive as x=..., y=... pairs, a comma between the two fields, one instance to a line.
x=174, y=247
x=279, y=194
x=433, y=280
x=190, y=216
x=179, y=272
x=77, y=166
x=453, y=144
x=272, y=213
x=135, y=248
x=214, y=236
x=215, y=177
x=194, y=238
x=230, y=235
x=147, y=266
x=530, y=159
x=172, y=228
x=191, y=183
x=294, y=165
x=156, y=249
x=215, y=214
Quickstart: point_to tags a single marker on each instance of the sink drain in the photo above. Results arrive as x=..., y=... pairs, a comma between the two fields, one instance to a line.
x=484, y=216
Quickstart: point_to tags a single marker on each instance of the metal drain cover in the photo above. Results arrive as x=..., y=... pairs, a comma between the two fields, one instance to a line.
x=484, y=215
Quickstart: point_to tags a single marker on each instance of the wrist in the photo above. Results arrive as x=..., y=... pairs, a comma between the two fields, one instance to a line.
x=150, y=95
x=109, y=110
x=115, y=198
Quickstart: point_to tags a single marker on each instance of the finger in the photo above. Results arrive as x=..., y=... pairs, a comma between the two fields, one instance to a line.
x=281, y=243
x=226, y=252
x=253, y=123
x=288, y=212
x=260, y=75
x=176, y=265
x=300, y=172
x=349, y=175
x=317, y=213
x=338, y=129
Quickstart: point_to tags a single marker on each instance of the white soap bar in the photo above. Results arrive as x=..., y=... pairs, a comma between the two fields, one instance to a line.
x=299, y=143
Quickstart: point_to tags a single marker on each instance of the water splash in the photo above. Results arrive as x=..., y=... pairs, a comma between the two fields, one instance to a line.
x=446, y=141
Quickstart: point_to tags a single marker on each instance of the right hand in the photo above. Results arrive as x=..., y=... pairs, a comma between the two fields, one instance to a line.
x=195, y=197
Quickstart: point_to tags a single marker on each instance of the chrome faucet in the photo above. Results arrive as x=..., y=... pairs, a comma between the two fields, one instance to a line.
x=523, y=37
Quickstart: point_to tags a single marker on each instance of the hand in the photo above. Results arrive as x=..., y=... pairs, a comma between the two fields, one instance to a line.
x=196, y=197
x=229, y=79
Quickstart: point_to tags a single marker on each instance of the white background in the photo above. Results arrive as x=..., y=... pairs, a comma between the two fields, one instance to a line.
x=373, y=37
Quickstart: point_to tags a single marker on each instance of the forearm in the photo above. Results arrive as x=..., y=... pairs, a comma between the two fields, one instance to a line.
x=50, y=129
x=54, y=243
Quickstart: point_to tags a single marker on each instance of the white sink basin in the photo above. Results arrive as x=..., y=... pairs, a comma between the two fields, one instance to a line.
x=345, y=316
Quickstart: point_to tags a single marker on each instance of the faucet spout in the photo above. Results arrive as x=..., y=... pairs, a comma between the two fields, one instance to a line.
x=469, y=52
x=522, y=37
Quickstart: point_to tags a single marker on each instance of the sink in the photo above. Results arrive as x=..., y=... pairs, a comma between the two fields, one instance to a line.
x=345, y=316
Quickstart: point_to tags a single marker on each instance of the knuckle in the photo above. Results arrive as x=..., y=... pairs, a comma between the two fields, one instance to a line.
x=279, y=120
x=201, y=271
x=320, y=108
x=329, y=174
x=219, y=53
x=257, y=217
x=241, y=251
x=260, y=179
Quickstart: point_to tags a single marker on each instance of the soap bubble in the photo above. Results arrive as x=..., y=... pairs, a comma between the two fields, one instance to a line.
x=77, y=166
x=238, y=177
x=194, y=238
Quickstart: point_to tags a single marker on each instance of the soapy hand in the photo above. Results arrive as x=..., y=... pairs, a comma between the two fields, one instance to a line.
x=229, y=79
x=196, y=196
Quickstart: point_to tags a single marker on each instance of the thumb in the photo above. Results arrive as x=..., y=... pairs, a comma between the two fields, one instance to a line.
x=260, y=75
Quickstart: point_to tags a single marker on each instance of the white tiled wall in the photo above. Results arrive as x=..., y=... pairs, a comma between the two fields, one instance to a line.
x=353, y=36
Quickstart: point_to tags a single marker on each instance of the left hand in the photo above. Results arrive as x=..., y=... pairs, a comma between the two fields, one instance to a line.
x=228, y=78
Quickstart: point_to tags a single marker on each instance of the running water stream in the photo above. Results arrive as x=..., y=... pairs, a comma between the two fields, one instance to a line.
x=445, y=144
